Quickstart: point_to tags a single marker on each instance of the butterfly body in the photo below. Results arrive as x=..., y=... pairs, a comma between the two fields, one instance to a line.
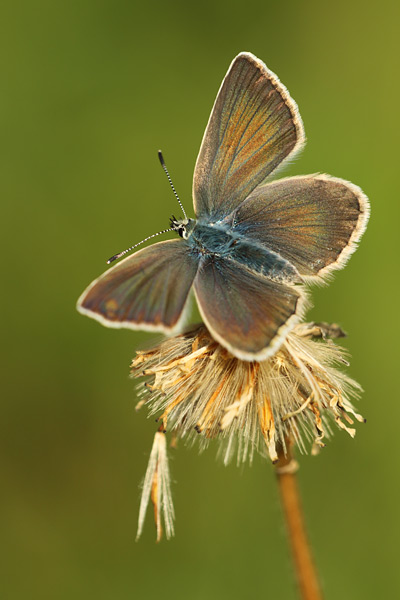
x=219, y=240
x=252, y=244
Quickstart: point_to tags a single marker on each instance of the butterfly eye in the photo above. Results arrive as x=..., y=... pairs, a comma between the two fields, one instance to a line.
x=182, y=227
x=182, y=231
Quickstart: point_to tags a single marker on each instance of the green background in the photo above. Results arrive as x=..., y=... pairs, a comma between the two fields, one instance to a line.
x=89, y=91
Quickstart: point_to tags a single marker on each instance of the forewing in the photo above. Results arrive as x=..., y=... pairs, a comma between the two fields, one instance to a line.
x=314, y=222
x=247, y=313
x=147, y=290
x=253, y=127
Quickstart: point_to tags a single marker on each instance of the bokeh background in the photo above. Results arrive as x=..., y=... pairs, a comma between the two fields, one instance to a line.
x=90, y=90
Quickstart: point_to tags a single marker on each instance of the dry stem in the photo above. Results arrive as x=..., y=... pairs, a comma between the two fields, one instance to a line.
x=306, y=573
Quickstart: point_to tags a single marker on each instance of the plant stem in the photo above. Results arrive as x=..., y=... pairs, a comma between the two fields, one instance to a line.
x=306, y=573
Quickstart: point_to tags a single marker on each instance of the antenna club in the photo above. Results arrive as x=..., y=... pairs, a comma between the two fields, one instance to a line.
x=161, y=158
x=116, y=256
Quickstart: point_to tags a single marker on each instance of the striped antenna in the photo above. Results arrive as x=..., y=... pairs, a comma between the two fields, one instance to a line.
x=161, y=159
x=116, y=256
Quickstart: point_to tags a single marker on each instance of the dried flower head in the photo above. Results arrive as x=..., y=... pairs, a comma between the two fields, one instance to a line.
x=200, y=392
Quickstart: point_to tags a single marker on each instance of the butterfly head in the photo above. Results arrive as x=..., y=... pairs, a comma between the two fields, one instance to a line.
x=183, y=227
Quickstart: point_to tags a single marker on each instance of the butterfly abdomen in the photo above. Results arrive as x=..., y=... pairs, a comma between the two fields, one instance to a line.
x=221, y=241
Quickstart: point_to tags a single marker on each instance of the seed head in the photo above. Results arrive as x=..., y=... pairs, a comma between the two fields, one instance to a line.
x=200, y=392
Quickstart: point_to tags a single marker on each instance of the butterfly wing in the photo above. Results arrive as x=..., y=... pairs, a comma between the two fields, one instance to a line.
x=253, y=127
x=147, y=290
x=247, y=313
x=314, y=221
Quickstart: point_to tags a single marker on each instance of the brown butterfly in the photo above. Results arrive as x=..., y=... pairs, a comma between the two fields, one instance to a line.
x=253, y=244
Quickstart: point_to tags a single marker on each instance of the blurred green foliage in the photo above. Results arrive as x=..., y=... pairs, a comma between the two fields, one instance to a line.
x=90, y=91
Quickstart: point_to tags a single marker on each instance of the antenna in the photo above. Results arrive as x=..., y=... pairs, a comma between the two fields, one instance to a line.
x=110, y=260
x=161, y=159
x=120, y=254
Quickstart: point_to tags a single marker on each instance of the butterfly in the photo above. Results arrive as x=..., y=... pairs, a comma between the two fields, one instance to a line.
x=254, y=243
